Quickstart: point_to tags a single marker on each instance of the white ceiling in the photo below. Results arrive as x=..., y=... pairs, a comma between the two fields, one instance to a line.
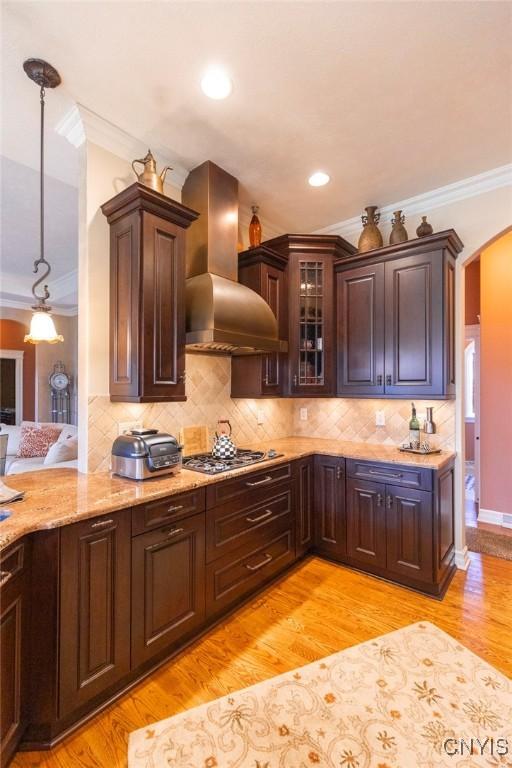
x=391, y=99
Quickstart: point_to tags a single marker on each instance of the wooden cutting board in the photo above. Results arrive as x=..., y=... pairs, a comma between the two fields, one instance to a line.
x=194, y=440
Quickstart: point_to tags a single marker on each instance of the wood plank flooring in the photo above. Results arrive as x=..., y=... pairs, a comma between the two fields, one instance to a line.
x=316, y=609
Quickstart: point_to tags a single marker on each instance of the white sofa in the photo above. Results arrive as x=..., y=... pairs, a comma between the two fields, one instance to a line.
x=14, y=466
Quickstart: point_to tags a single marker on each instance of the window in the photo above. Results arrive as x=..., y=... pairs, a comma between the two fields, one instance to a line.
x=469, y=363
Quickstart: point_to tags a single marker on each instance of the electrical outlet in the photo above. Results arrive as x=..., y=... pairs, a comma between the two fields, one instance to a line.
x=303, y=414
x=261, y=417
x=123, y=427
x=380, y=419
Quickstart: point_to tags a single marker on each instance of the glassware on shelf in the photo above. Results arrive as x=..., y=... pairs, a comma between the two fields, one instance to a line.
x=311, y=324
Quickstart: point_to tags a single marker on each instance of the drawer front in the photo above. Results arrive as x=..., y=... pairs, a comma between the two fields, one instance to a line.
x=392, y=474
x=156, y=513
x=255, y=486
x=228, y=527
x=232, y=577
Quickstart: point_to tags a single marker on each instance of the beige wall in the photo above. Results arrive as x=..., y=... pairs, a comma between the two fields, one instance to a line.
x=46, y=357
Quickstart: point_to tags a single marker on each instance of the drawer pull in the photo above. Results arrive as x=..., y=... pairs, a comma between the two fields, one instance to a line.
x=174, y=509
x=264, y=516
x=266, y=479
x=380, y=473
x=102, y=523
x=265, y=561
x=175, y=532
x=5, y=576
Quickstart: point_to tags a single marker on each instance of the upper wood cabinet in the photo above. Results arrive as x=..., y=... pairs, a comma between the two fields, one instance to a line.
x=263, y=270
x=395, y=320
x=147, y=295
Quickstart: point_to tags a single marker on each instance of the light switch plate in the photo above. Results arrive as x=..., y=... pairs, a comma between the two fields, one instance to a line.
x=261, y=417
x=123, y=427
x=303, y=414
x=380, y=419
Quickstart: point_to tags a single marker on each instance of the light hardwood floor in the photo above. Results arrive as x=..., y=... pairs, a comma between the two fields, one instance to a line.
x=316, y=609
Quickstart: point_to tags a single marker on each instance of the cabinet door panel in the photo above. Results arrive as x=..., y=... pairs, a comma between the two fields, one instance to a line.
x=168, y=586
x=409, y=533
x=304, y=506
x=163, y=307
x=330, y=524
x=95, y=607
x=414, y=326
x=360, y=330
x=366, y=522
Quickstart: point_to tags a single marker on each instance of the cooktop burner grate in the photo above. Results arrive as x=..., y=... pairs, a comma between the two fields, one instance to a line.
x=205, y=462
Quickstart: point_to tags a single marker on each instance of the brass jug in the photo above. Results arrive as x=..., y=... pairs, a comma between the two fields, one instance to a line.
x=149, y=177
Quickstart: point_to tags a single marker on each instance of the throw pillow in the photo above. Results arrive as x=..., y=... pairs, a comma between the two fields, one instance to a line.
x=35, y=441
x=62, y=450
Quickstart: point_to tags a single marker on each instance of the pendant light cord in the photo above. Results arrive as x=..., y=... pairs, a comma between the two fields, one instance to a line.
x=41, y=260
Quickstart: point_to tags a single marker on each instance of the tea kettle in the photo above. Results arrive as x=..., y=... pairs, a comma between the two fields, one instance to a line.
x=149, y=177
x=223, y=446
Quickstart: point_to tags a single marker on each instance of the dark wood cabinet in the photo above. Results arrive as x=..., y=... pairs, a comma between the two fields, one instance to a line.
x=14, y=615
x=329, y=505
x=395, y=324
x=147, y=295
x=94, y=608
x=303, y=506
x=168, y=587
x=366, y=522
x=264, y=271
x=409, y=533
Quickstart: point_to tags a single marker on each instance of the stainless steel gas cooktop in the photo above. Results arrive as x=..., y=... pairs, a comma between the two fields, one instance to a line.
x=205, y=462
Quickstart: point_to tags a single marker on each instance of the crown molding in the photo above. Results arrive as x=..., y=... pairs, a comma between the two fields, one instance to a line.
x=27, y=304
x=428, y=201
x=81, y=124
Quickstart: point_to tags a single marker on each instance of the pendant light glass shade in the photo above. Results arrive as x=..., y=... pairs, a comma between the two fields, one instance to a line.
x=42, y=328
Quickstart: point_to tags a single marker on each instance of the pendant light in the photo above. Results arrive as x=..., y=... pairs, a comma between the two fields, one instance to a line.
x=42, y=327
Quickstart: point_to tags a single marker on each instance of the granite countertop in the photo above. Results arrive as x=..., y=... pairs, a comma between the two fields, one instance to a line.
x=57, y=497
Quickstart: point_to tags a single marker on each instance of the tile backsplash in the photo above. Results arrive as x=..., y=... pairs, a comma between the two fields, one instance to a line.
x=208, y=399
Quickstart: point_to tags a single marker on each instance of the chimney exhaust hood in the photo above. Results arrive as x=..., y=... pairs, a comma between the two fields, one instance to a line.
x=222, y=315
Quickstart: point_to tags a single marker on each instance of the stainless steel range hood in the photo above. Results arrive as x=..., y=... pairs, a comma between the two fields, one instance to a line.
x=222, y=315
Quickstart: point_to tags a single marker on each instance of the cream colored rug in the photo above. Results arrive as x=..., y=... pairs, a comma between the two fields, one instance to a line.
x=403, y=700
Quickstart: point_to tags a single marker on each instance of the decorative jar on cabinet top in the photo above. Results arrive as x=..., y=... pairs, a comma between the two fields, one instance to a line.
x=370, y=238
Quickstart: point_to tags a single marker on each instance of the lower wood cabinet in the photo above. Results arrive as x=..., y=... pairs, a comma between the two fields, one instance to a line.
x=329, y=505
x=168, y=587
x=14, y=610
x=94, y=607
x=366, y=523
x=303, y=505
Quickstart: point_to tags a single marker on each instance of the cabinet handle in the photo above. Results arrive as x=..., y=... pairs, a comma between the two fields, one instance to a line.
x=175, y=532
x=339, y=472
x=379, y=380
x=265, y=380
x=183, y=376
x=295, y=380
x=388, y=380
x=174, y=509
x=5, y=576
x=264, y=516
x=266, y=479
x=379, y=473
x=102, y=523
x=265, y=561
x=379, y=499
x=389, y=501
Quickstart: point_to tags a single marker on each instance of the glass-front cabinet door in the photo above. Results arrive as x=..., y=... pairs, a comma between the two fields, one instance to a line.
x=311, y=332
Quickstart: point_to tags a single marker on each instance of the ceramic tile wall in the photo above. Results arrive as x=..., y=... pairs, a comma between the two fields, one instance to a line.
x=208, y=399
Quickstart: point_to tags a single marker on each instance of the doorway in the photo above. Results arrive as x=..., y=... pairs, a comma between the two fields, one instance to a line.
x=11, y=386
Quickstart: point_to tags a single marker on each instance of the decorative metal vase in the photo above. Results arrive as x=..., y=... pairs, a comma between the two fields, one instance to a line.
x=424, y=228
x=399, y=232
x=254, y=228
x=370, y=238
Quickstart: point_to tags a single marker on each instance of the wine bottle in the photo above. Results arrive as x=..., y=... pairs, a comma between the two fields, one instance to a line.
x=414, y=429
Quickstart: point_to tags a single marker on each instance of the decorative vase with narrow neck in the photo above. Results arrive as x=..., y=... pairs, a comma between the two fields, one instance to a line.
x=424, y=228
x=370, y=238
x=399, y=232
x=254, y=228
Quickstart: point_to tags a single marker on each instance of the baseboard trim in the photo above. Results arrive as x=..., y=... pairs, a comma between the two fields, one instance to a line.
x=490, y=516
x=462, y=560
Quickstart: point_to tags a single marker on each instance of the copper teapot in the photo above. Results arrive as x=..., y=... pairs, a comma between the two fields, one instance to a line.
x=149, y=177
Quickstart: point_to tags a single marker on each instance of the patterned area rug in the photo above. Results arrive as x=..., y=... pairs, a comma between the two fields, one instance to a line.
x=403, y=700
x=489, y=543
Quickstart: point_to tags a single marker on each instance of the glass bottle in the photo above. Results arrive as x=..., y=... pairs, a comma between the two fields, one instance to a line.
x=414, y=429
x=254, y=228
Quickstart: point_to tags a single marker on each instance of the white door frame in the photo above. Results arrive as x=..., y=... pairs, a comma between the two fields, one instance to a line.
x=17, y=355
x=473, y=334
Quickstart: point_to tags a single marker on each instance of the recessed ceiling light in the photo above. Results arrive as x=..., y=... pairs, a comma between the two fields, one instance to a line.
x=318, y=179
x=216, y=84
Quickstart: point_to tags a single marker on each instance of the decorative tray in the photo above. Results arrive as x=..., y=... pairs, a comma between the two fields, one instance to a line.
x=420, y=451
